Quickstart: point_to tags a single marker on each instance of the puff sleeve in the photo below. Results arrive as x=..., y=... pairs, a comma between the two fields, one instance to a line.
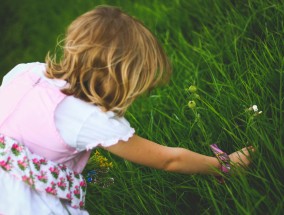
x=103, y=129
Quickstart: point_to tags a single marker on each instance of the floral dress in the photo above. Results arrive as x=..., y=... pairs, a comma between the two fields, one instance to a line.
x=41, y=174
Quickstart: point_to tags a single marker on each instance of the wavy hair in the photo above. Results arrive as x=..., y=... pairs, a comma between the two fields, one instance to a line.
x=109, y=58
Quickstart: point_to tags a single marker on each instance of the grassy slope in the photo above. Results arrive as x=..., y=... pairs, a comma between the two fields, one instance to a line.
x=233, y=52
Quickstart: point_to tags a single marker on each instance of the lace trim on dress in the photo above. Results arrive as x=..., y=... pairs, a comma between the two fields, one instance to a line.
x=41, y=174
x=112, y=141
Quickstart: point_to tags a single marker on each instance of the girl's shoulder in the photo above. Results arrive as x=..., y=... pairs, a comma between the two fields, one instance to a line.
x=20, y=69
x=37, y=68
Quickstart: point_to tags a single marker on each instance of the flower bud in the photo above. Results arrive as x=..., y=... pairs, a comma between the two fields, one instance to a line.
x=195, y=95
x=191, y=104
x=192, y=89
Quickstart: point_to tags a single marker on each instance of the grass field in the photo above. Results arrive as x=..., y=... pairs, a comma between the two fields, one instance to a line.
x=232, y=51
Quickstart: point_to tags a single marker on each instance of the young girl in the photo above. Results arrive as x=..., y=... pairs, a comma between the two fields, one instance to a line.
x=52, y=115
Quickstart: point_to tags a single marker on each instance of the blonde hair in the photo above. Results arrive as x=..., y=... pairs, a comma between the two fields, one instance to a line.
x=109, y=58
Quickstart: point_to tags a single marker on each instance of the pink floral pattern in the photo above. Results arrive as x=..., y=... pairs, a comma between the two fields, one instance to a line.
x=6, y=165
x=54, y=171
x=38, y=162
x=62, y=184
x=23, y=163
x=28, y=180
x=17, y=149
x=41, y=174
x=42, y=177
x=2, y=143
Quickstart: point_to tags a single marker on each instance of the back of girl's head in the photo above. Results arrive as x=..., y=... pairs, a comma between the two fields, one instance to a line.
x=109, y=58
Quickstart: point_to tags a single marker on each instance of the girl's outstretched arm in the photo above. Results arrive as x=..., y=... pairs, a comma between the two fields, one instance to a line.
x=173, y=159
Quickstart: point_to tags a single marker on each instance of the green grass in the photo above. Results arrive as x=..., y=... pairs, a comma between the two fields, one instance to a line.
x=233, y=52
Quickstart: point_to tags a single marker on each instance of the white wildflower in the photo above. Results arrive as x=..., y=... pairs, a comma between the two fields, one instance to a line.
x=254, y=108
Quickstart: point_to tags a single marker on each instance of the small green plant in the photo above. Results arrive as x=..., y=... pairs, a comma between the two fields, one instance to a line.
x=99, y=170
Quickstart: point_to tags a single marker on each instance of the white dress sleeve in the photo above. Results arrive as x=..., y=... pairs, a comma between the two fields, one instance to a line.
x=85, y=126
x=103, y=129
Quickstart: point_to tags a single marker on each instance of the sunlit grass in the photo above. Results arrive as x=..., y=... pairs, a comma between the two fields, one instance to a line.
x=233, y=52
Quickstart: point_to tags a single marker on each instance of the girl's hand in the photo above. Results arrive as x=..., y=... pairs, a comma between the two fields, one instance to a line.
x=242, y=157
